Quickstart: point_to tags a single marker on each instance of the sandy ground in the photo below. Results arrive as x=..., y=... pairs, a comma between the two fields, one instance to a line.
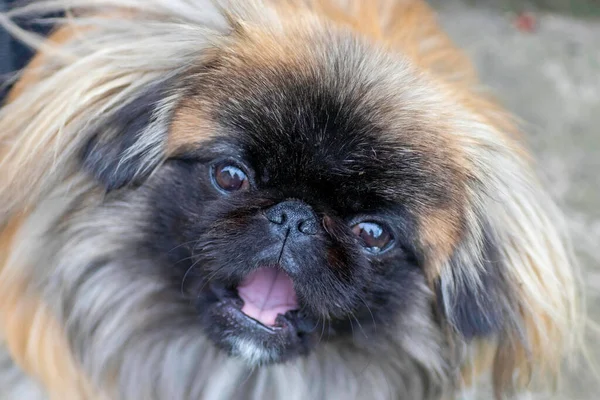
x=550, y=78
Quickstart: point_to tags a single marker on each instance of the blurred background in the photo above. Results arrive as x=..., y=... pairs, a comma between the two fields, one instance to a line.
x=541, y=58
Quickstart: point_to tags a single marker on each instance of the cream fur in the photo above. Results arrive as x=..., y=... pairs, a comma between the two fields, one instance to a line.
x=113, y=57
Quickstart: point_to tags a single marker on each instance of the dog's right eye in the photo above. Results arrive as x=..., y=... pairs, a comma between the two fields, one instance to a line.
x=230, y=178
x=374, y=237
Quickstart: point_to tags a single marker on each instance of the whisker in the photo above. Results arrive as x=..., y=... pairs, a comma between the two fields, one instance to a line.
x=250, y=373
x=368, y=309
x=362, y=375
x=315, y=327
x=185, y=276
x=322, y=328
x=182, y=260
x=351, y=326
x=184, y=244
x=208, y=279
x=359, y=325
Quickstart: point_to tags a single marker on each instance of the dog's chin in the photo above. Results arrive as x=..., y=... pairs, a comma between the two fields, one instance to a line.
x=259, y=320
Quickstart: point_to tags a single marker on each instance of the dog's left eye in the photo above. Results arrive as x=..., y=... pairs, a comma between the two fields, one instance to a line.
x=374, y=237
x=230, y=178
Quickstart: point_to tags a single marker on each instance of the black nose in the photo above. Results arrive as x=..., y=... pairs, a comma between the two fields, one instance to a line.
x=294, y=216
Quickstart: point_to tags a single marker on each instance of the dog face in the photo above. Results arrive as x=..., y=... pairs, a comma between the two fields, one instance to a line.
x=272, y=257
x=296, y=219
x=305, y=194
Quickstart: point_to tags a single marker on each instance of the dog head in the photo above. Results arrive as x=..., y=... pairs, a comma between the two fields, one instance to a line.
x=294, y=187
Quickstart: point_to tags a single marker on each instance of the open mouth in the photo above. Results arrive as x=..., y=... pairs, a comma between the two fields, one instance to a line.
x=265, y=297
x=261, y=313
x=267, y=293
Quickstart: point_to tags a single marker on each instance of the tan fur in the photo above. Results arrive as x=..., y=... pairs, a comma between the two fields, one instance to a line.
x=30, y=332
x=33, y=336
x=255, y=49
x=188, y=129
x=31, y=74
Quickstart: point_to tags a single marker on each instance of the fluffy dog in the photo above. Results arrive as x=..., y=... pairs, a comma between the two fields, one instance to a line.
x=268, y=199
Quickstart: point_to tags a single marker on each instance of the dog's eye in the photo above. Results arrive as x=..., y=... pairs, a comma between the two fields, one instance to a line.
x=230, y=178
x=374, y=237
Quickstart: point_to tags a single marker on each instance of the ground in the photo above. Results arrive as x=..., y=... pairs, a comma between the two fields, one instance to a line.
x=545, y=68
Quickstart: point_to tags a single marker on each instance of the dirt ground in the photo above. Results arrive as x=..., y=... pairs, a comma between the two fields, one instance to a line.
x=546, y=70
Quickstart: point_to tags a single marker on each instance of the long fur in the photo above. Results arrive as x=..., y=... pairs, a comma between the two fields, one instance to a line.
x=107, y=54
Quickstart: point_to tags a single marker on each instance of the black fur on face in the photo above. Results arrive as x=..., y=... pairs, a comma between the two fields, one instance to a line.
x=322, y=160
x=320, y=151
x=214, y=240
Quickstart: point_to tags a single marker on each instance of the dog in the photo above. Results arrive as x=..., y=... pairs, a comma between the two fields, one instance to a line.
x=269, y=199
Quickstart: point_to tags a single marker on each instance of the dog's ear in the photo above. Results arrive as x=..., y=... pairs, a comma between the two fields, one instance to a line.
x=509, y=289
x=477, y=300
x=128, y=144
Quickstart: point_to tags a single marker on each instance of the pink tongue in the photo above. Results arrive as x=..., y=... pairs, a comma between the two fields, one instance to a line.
x=267, y=292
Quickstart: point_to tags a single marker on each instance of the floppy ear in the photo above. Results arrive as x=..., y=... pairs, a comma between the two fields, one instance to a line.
x=480, y=304
x=477, y=300
x=126, y=146
x=510, y=285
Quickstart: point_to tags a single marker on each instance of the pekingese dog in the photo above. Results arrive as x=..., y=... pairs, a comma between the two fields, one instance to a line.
x=268, y=200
